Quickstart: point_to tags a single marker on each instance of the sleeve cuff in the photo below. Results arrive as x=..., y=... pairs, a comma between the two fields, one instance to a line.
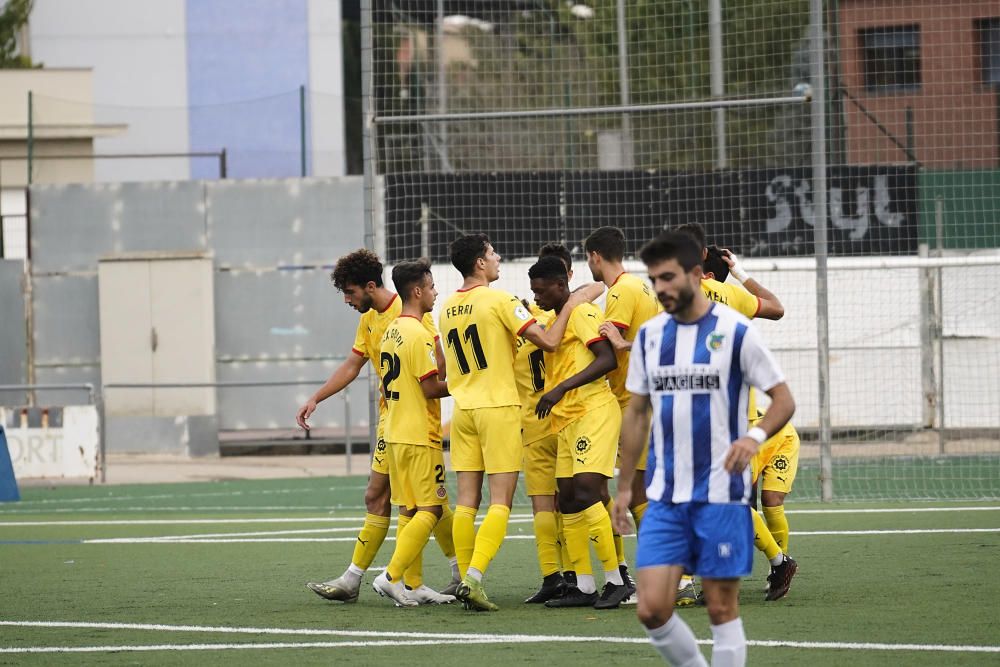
x=526, y=325
x=428, y=374
x=759, y=304
x=620, y=325
x=357, y=352
x=594, y=340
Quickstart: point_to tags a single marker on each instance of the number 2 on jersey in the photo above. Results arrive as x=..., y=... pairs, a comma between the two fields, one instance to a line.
x=390, y=374
x=472, y=338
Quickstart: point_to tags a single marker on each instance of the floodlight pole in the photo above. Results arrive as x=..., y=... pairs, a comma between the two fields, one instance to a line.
x=717, y=79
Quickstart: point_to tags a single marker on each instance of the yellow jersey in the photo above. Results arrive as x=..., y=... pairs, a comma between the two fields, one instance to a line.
x=371, y=328
x=572, y=356
x=628, y=304
x=406, y=359
x=735, y=297
x=529, y=373
x=480, y=328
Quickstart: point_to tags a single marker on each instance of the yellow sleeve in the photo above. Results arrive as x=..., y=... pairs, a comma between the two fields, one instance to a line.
x=359, y=347
x=432, y=329
x=422, y=362
x=586, y=323
x=743, y=301
x=513, y=314
x=619, y=307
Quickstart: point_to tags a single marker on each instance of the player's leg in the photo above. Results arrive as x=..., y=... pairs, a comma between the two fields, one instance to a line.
x=467, y=462
x=540, y=483
x=724, y=535
x=347, y=586
x=421, y=484
x=660, y=559
x=778, y=465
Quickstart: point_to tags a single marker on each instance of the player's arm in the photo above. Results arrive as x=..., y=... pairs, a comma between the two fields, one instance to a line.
x=635, y=428
x=549, y=339
x=770, y=307
x=590, y=291
x=439, y=358
x=433, y=386
x=613, y=332
x=604, y=362
x=781, y=410
x=345, y=373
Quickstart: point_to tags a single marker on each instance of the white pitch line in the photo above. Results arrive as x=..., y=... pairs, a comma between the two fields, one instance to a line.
x=204, y=494
x=177, y=522
x=416, y=639
x=900, y=510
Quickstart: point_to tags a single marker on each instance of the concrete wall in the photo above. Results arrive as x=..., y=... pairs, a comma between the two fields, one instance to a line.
x=277, y=315
x=12, y=348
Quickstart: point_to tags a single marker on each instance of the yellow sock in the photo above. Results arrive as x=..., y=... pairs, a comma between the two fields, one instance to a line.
x=619, y=544
x=565, y=562
x=443, y=532
x=762, y=537
x=637, y=513
x=778, y=525
x=414, y=575
x=599, y=531
x=409, y=544
x=490, y=537
x=546, y=542
x=463, y=532
x=370, y=538
x=577, y=536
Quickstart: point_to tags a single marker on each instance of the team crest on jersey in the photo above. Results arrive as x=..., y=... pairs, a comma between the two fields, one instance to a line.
x=380, y=446
x=521, y=313
x=714, y=341
x=780, y=463
x=582, y=444
x=442, y=493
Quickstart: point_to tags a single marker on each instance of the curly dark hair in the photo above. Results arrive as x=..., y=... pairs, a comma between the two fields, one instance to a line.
x=557, y=250
x=550, y=267
x=357, y=268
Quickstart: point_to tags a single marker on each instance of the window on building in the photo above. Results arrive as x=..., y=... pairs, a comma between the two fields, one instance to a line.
x=988, y=36
x=13, y=223
x=890, y=58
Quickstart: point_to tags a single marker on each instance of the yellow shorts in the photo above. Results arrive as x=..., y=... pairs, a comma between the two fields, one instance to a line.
x=417, y=474
x=540, y=466
x=640, y=464
x=589, y=444
x=486, y=439
x=777, y=461
x=380, y=457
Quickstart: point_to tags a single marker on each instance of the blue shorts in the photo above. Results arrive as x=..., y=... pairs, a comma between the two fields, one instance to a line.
x=711, y=540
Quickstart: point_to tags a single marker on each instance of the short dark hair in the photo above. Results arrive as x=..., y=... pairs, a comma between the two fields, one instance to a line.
x=608, y=242
x=557, y=250
x=357, y=268
x=672, y=245
x=407, y=275
x=550, y=267
x=714, y=263
x=695, y=231
x=465, y=250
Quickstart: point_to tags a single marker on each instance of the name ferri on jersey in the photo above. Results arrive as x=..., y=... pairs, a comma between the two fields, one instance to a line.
x=688, y=378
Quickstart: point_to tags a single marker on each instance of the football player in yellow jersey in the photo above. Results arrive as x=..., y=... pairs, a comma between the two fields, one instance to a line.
x=358, y=275
x=587, y=420
x=776, y=463
x=627, y=305
x=480, y=326
x=412, y=389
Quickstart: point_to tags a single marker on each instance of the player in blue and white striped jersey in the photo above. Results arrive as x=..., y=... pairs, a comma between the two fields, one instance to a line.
x=690, y=371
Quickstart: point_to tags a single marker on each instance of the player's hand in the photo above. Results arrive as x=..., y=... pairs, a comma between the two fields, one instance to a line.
x=303, y=414
x=735, y=268
x=739, y=455
x=620, y=512
x=548, y=400
x=576, y=298
x=614, y=336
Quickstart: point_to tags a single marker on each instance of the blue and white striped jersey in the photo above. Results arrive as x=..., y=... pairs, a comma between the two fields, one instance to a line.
x=698, y=376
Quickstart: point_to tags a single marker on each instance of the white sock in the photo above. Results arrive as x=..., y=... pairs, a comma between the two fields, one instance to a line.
x=586, y=584
x=475, y=574
x=614, y=577
x=454, y=568
x=353, y=575
x=729, y=644
x=777, y=560
x=676, y=643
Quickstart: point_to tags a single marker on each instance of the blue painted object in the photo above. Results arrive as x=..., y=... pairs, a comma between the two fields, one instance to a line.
x=8, y=484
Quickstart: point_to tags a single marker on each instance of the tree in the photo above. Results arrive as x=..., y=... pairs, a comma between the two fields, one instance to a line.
x=13, y=16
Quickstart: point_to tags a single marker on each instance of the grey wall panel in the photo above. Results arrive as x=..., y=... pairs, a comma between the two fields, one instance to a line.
x=66, y=375
x=275, y=407
x=12, y=332
x=66, y=320
x=280, y=315
x=73, y=225
x=290, y=222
